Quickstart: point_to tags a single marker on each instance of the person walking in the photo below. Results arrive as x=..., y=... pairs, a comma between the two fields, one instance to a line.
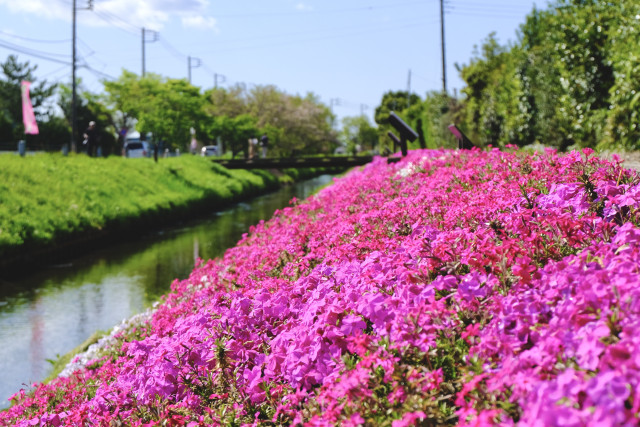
x=91, y=138
x=264, y=143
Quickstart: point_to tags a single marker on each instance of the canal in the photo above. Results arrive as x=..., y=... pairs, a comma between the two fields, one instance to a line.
x=50, y=312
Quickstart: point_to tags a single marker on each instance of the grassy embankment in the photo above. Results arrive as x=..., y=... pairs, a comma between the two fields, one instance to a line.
x=49, y=201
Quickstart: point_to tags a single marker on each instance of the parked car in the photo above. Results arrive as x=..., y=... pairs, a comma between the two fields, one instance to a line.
x=209, y=150
x=136, y=148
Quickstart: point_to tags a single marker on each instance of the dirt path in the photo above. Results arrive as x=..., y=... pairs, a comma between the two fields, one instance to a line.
x=630, y=160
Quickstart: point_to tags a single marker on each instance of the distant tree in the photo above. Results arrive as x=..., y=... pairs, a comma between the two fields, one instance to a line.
x=167, y=108
x=121, y=97
x=493, y=91
x=90, y=107
x=358, y=131
x=234, y=132
x=570, y=80
x=229, y=102
x=398, y=102
x=622, y=125
x=171, y=111
x=13, y=73
x=431, y=119
x=294, y=124
x=305, y=124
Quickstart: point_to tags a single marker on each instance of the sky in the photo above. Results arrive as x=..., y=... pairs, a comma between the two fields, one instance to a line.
x=348, y=53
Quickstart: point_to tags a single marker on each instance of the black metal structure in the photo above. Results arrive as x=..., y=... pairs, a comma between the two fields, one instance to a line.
x=464, y=143
x=406, y=131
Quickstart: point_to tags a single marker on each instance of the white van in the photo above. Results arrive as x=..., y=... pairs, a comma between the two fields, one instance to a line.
x=134, y=147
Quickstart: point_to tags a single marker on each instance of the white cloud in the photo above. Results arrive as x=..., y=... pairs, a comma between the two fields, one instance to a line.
x=152, y=14
x=44, y=8
x=303, y=6
x=199, y=22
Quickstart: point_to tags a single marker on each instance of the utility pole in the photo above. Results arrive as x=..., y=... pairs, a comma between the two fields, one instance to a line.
x=144, y=40
x=74, y=125
x=334, y=101
x=196, y=64
x=74, y=96
x=215, y=79
x=409, y=90
x=363, y=108
x=444, y=70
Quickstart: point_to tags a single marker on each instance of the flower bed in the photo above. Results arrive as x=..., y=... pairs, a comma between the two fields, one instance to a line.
x=451, y=287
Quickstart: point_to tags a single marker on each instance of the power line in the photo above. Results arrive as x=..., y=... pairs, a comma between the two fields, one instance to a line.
x=31, y=52
x=332, y=30
x=324, y=37
x=493, y=6
x=15, y=36
x=488, y=15
x=175, y=52
x=113, y=20
x=488, y=9
x=56, y=71
x=320, y=12
x=39, y=52
x=496, y=3
x=122, y=20
x=98, y=72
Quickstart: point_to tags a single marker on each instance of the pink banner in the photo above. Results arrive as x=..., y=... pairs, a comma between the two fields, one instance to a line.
x=28, y=118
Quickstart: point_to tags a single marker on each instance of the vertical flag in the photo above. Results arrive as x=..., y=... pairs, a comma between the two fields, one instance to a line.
x=28, y=118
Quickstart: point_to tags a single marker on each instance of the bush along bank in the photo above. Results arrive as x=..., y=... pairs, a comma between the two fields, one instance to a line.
x=469, y=288
x=51, y=204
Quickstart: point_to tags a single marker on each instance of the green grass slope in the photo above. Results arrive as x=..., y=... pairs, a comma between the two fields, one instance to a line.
x=49, y=199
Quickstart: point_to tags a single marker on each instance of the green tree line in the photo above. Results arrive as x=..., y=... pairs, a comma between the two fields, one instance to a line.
x=571, y=79
x=167, y=109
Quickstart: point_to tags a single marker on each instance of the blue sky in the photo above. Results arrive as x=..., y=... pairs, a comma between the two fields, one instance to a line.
x=346, y=52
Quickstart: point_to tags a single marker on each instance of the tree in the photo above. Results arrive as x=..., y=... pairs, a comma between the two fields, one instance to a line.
x=432, y=117
x=90, y=107
x=120, y=98
x=234, y=132
x=622, y=128
x=171, y=111
x=11, y=126
x=493, y=91
x=298, y=125
x=229, y=102
x=398, y=102
x=167, y=108
x=294, y=124
x=358, y=132
x=570, y=80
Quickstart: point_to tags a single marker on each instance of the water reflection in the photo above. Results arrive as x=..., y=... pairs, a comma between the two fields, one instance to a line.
x=51, y=312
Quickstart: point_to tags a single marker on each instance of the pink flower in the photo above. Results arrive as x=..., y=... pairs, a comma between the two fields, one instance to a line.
x=409, y=419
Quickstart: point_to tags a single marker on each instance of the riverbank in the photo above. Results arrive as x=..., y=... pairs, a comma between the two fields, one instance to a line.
x=52, y=207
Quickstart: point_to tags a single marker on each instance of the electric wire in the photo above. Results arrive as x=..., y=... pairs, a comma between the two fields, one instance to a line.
x=175, y=52
x=319, y=12
x=56, y=71
x=98, y=72
x=15, y=36
x=316, y=39
x=107, y=17
x=31, y=52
